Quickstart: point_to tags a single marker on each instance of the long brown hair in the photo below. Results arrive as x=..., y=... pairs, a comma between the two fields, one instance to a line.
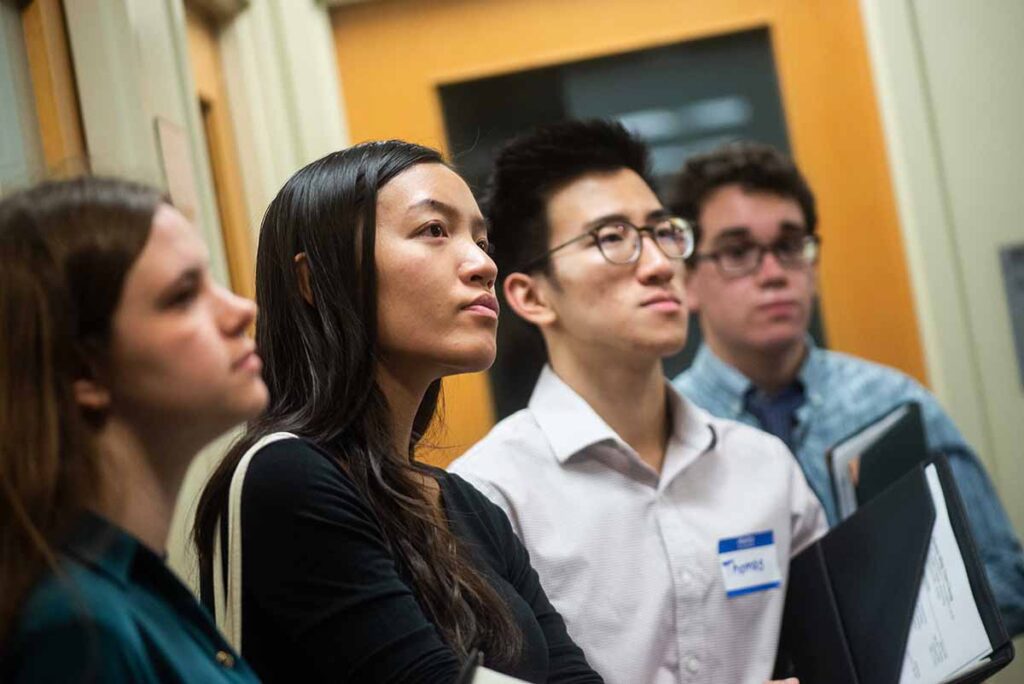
x=320, y=366
x=65, y=248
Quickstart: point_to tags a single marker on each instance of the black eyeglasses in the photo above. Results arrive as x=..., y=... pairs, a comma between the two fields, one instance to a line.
x=743, y=258
x=620, y=242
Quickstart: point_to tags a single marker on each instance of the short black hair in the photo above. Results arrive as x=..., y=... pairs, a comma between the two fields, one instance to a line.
x=533, y=165
x=753, y=166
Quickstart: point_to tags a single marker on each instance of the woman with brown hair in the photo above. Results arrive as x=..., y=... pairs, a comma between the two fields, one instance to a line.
x=348, y=560
x=120, y=358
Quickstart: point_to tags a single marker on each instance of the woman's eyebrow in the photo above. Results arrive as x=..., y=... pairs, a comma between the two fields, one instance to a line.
x=435, y=204
x=186, y=278
x=450, y=212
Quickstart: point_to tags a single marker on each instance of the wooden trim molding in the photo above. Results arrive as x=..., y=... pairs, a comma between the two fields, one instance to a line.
x=53, y=84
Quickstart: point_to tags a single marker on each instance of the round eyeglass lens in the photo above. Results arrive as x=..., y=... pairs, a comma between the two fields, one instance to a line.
x=618, y=242
x=675, y=237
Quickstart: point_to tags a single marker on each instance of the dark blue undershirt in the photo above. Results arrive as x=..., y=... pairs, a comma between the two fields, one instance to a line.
x=776, y=412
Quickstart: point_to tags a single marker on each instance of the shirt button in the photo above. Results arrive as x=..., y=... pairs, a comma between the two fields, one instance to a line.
x=693, y=665
x=225, y=659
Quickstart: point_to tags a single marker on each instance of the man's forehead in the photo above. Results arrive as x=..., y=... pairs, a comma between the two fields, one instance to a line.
x=619, y=193
x=732, y=209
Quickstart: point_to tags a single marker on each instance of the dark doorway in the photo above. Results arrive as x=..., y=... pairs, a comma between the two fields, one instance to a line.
x=681, y=99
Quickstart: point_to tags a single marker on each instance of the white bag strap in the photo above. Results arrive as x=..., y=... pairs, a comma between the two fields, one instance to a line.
x=227, y=601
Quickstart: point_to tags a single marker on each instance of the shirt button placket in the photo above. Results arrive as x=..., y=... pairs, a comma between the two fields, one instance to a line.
x=689, y=629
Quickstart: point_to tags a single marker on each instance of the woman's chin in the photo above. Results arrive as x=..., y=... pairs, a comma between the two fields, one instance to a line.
x=470, y=361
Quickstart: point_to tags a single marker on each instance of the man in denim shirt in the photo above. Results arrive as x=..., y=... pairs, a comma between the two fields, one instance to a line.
x=752, y=279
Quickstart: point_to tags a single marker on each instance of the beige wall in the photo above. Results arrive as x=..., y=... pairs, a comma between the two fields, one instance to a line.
x=951, y=88
x=131, y=66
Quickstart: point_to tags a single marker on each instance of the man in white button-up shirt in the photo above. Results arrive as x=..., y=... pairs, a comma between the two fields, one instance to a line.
x=661, y=534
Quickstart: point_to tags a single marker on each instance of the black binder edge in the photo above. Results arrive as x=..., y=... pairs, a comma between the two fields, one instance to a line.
x=828, y=452
x=801, y=571
x=988, y=609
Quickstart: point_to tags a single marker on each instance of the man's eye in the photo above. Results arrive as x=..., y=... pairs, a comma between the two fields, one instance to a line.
x=610, y=235
x=486, y=246
x=790, y=246
x=736, y=251
x=667, y=233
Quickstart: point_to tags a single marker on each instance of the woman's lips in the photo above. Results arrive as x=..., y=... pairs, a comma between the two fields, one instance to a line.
x=250, y=362
x=485, y=305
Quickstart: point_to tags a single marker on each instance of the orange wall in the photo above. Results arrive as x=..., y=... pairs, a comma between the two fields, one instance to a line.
x=393, y=54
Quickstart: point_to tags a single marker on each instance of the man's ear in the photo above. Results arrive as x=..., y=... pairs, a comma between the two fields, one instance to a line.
x=91, y=395
x=302, y=275
x=527, y=297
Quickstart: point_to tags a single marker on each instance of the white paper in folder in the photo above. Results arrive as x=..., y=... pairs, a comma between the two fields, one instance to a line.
x=947, y=635
x=485, y=676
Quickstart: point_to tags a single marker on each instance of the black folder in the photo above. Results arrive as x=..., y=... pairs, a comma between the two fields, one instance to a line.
x=851, y=595
x=887, y=455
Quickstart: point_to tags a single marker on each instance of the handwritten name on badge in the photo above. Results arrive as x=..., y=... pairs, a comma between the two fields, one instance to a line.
x=749, y=563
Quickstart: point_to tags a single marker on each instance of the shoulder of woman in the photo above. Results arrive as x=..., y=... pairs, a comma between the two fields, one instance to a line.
x=469, y=501
x=296, y=474
x=76, y=605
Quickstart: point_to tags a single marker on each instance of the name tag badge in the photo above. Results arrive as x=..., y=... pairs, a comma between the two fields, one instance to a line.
x=749, y=564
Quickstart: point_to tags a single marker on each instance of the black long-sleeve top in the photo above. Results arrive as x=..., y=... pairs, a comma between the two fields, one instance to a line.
x=324, y=599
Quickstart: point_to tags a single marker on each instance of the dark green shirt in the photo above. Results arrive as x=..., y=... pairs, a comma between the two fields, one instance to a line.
x=116, y=613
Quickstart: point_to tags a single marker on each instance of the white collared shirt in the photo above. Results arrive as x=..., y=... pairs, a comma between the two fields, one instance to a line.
x=630, y=557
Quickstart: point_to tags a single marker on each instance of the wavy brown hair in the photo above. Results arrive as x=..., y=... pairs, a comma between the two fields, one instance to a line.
x=65, y=249
x=320, y=366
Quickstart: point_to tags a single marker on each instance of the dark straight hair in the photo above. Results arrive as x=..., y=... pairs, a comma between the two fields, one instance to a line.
x=320, y=366
x=65, y=250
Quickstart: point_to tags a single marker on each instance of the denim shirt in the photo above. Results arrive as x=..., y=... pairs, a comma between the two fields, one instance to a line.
x=115, y=613
x=842, y=394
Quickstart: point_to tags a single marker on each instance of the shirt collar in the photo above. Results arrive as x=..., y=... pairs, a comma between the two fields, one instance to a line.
x=717, y=373
x=571, y=424
x=813, y=369
x=102, y=545
x=714, y=372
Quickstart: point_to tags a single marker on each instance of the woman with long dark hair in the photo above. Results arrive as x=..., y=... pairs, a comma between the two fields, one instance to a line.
x=120, y=358
x=356, y=562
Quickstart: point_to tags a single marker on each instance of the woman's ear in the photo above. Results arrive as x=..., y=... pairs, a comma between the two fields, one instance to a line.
x=91, y=395
x=302, y=275
x=528, y=297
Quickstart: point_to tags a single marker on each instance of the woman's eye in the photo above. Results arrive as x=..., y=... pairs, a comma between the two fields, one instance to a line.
x=486, y=246
x=435, y=230
x=182, y=298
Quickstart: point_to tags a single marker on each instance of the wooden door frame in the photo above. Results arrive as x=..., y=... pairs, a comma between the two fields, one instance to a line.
x=825, y=83
x=53, y=86
x=222, y=152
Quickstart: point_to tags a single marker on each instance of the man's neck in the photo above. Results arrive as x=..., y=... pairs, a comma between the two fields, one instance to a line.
x=768, y=370
x=630, y=398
